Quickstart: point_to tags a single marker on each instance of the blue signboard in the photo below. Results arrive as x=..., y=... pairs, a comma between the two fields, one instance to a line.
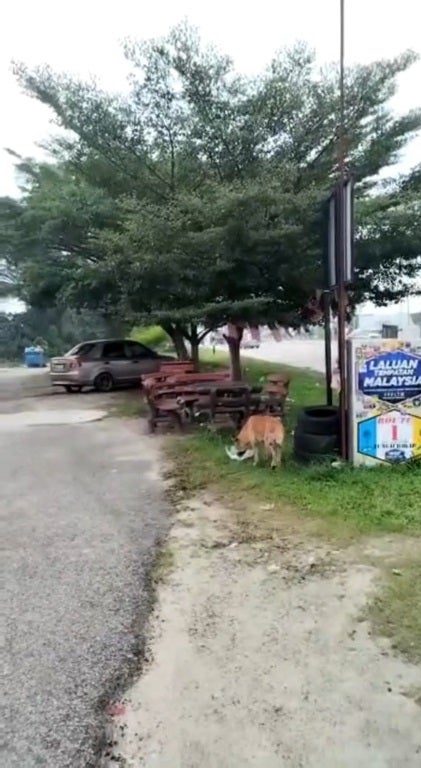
x=391, y=376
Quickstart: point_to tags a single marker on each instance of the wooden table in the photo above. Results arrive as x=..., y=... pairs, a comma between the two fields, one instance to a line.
x=168, y=405
x=233, y=399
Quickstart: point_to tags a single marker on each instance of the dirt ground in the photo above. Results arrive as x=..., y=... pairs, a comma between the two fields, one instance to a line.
x=260, y=655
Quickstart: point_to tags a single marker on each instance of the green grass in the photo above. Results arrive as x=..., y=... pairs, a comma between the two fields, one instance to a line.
x=395, y=611
x=150, y=335
x=349, y=500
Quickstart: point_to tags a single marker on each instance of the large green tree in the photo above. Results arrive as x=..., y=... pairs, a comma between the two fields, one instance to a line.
x=198, y=196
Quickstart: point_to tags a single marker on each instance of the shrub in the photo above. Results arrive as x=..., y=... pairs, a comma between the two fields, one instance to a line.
x=151, y=335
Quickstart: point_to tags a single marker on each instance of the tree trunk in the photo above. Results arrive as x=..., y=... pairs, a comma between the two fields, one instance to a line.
x=194, y=343
x=235, y=357
x=177, y=336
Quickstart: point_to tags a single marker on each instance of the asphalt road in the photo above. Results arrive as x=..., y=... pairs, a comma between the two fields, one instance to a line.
x=83, y=511
x=302, y=353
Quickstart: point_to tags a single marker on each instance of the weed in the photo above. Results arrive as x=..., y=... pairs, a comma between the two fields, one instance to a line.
x=395, y=611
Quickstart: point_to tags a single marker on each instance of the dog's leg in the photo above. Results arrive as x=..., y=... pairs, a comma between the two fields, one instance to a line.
x=276, y=454
x=255, y=454
x=272, y=449
x=279, y=455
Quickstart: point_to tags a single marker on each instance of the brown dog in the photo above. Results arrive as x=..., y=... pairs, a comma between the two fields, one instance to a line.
x=261, y=430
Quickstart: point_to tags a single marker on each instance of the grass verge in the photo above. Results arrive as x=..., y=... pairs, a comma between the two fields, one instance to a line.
x=350, y=500
x=395, y=611
x=343, y=503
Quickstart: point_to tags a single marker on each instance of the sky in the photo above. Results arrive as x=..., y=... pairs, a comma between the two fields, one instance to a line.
x=84, y=37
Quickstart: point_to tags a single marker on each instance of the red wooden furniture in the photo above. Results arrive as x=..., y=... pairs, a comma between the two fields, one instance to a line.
x=193, y=379
x=175, y=395
x=177, y=366
x=167, y=369
x=170, y=405
x=275, y=393
x=230, y=400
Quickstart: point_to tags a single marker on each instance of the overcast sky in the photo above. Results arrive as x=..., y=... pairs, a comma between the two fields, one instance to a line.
x=83, y=36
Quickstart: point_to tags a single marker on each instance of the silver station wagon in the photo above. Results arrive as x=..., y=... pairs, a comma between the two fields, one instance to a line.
x=104, y=364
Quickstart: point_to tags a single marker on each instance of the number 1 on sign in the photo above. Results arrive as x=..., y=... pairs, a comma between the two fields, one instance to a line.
x=394, y=433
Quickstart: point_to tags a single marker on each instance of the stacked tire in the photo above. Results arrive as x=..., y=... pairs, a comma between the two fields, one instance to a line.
x=317, y=434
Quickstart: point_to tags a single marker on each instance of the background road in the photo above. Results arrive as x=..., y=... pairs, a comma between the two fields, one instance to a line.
x=82, y=513
x=303, y=353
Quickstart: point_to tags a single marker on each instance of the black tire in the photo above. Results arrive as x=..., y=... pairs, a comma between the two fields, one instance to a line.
x=104, y=382
x=319, y=420
x=315, y=444
x=70, y=388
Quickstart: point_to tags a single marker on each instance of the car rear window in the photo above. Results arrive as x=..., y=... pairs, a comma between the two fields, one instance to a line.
x=136, y=350
x=80, y=349
x=114, y=350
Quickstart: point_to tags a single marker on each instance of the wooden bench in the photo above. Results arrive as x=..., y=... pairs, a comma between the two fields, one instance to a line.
x=177, y=366
x=166, y=370
x=170, y=404
x=181, y=378
x=192, y=379
x=275, y=393
x=230, y=400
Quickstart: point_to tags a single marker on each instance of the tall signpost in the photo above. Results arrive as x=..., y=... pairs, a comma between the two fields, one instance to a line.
x=380, y=383
x=340, y=274
x=327, y=319
x=340, y=256
x=340, y=245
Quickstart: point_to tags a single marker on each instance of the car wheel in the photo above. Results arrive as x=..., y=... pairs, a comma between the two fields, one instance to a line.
x=70, y=389
x=104, y=382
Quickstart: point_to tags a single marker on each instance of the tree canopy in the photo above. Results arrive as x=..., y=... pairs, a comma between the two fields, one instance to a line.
x=198, y=196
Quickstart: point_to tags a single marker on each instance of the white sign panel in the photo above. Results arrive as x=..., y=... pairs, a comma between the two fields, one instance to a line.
x=385, y=401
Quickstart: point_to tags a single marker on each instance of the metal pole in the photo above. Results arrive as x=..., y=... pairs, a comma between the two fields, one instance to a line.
x=328, y=347
x=342, y=299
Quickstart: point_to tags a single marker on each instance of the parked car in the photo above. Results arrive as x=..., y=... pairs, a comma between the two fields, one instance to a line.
x=104, y=364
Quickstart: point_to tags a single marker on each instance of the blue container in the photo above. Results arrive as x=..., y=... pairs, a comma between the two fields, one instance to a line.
x=34, y=357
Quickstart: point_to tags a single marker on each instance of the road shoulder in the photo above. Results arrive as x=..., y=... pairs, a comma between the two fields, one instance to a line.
x=261, y=655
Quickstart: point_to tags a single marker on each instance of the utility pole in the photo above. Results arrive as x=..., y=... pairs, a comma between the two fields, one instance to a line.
x=341, y=243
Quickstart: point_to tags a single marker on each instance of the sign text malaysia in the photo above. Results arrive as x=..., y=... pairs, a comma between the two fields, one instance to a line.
x=392, y=377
